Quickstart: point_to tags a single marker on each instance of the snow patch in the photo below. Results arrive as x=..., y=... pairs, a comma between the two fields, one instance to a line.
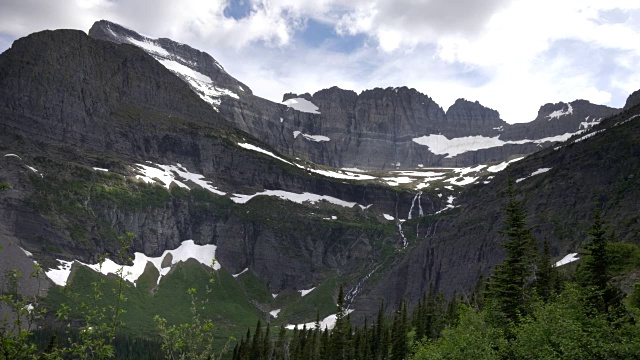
x=274, y=313
x=260, y=150
x=395, y=181
x=167, y=175
x=388, y=217
x=537, y=172
x=556, y=114
x=441, y=145
x=183, y=70
x=502, y=165
x=305, y=292
x=316, y=138
x=295, y=197
x=240, y=273
x=26, y=252
x=342, y=175
x=60, y=274
x=205, y=254
x=148, y=46
x=462, y=181
x=327, y=323
x=100, y=169
x=353, y=169
x=13, y=155
x=567, y=259
x=302, y=105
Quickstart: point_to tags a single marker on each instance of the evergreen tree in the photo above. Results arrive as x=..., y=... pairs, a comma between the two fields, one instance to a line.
x=399, y=344
x=256, y=343
x=279, y=348
x=594, y=267
x=546, y=274
x=339, y=336
x=379, y=329
x=509, y=286
x=266, y=343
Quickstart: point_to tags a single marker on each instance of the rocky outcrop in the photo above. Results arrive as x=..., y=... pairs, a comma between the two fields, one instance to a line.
x=632, y=100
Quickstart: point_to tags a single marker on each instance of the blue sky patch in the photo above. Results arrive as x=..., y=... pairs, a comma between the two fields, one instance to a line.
x=318, y=34
x=238, y=9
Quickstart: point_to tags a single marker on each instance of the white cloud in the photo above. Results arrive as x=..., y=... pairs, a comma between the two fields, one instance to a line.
x=504, y=53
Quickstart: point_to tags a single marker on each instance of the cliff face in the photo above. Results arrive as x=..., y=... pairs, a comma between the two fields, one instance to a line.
x=69, y=103
x=374, y=129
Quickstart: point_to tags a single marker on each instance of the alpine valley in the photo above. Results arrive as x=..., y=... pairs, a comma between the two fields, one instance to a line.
x=382, y=193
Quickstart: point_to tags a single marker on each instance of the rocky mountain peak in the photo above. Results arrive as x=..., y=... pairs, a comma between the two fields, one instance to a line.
x=166, y=50
x=632, y=100
x=464, y=110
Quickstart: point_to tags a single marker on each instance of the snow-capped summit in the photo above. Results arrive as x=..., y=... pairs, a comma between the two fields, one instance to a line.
x=201, y=71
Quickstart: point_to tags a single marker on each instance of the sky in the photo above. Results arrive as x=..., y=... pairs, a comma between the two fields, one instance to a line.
x=510, y=55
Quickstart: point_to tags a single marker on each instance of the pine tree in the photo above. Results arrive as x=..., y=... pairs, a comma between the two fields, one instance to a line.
x=399, y=344
x=509, y=285
x=377, y=338
x=279, y=348
x=594, y=267
x=546, y=274
x=266, y=343
x=338, y=336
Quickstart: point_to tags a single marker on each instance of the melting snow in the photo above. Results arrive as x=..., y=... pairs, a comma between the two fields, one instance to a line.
x=316, y=138
x=419, y=173
x=166, y=175
x=353, y=169
x=303, y=105
x=60, y=274
x=467, y=170
x=342, y=175
x=503, y=165
x=327, y=323
x=305, y=292
x=100, y=169
x=556, y=114
x=587, y=136
x=209, y=92
x=184, y=70
x=567, y=259
x=13, y=155
x=34, y=170
x=260, y=150
x=395, y=181
x=462, y=181
x=240, y=273
x=275, y=312
x=295, y=197
x=449, y=204
x=537, y=172
x=274, y=295
x=28, y=253
x=149, y=46
x=441, y=145
x=388, y=217
x=204, y=254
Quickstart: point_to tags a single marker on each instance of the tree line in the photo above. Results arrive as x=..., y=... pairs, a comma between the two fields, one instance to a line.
x=526, y=309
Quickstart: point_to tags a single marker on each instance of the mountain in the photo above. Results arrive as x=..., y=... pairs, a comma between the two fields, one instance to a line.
x=101, y=137
x=376, y=129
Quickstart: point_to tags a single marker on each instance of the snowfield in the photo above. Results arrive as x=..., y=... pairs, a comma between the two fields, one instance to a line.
x=302, y=105
x=205, y=254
